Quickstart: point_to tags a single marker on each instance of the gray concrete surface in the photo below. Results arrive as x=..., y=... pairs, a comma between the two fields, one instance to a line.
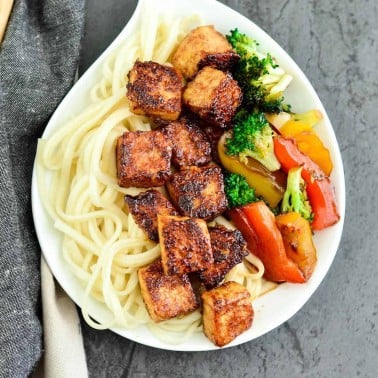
x=336, y=333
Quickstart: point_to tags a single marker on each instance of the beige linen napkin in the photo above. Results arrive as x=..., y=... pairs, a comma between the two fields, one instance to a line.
x=5, y=10
x=64, y=354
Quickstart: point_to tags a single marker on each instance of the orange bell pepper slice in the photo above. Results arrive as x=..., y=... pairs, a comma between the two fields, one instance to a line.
x=299, y=126
x=297, y=238
x=319, y=189
x=257, y=224
x=311, y=145
x=292, y=128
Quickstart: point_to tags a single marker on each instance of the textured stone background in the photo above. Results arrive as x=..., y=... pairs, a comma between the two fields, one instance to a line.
x=336, y=332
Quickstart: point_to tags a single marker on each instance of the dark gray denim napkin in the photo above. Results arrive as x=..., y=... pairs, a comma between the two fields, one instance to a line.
x=38, y=61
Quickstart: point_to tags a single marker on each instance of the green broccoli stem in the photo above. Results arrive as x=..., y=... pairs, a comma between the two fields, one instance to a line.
x=292, y=198
x=295, y=196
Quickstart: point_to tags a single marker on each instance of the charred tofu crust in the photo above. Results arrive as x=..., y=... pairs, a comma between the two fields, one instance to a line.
x=229, y=248
x=198, y=192
x=227, y=312
x=204, y=46
x=155, y=90
x=145, y=207
x=214, y=95
x=165, y=296
x=213, y=134
x=222, y=61
x=189, y=143
x=185, y=244
x=143, y=159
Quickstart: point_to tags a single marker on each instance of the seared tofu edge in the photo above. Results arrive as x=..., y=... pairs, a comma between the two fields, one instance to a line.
x=166, y=297
x=198, y=192
x=143, y=159
x=145, y=208
x=229, y=249
x=227, y=312
x=155, y=90
x=185, y=244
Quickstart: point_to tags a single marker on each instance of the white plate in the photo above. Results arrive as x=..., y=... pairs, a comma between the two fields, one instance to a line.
x=272, y=309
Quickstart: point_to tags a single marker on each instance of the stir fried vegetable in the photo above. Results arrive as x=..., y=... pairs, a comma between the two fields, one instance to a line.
x=237, y=190
x=318, y=186
x=269, y=185
x=295, y=197
x=261, y=79
x=252, y=136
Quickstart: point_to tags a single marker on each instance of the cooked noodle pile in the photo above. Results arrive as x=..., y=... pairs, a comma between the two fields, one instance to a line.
x=76, y=170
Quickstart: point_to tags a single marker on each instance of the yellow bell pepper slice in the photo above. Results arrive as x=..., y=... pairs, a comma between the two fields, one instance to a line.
x=301, y=121
x=269, y=185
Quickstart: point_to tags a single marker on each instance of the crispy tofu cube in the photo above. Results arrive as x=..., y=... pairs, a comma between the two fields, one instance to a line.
x=213, y=134
x=165, y=296
x=227, y=312
x=145, y=207
x=214, y=95
x=143, y=159
x=198, y=192
x=203, y=46
x=155, y=90
x=185, y=244
x=190, y=144
x=229, y=248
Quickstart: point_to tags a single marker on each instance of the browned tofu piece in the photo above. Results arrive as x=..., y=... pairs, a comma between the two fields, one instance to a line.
x=213, y=95
x=185, y=244
x=145, y=207
x=213, y=134
x=227, y=312
x=155, y=90
x=189, y=143
x=143, y=159
x=198, y=192
x=165, y=296
x=204, y=46
x=229, y=248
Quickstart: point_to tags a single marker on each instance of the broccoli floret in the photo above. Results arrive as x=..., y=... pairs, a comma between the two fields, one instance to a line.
x=241, y=43
x=237, y=190
x=252, y=137
x=261, y=80
x=295, y=197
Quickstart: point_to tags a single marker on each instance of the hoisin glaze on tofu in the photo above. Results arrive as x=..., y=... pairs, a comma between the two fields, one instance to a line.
x=214, y=95
x=145, y=207
x=155, y=90
x=143, y=159
x=190, y=145
x=204, y=46
x=198, y=192
x=185, y=244
x=165, y=296
x=229, y=248
x=227, y=312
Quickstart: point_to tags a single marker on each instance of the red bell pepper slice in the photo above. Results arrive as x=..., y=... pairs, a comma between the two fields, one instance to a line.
x=258, y=226
x=319, y=189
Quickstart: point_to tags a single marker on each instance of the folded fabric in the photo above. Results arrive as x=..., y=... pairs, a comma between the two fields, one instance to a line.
x=64, y=354
x=38, y=61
